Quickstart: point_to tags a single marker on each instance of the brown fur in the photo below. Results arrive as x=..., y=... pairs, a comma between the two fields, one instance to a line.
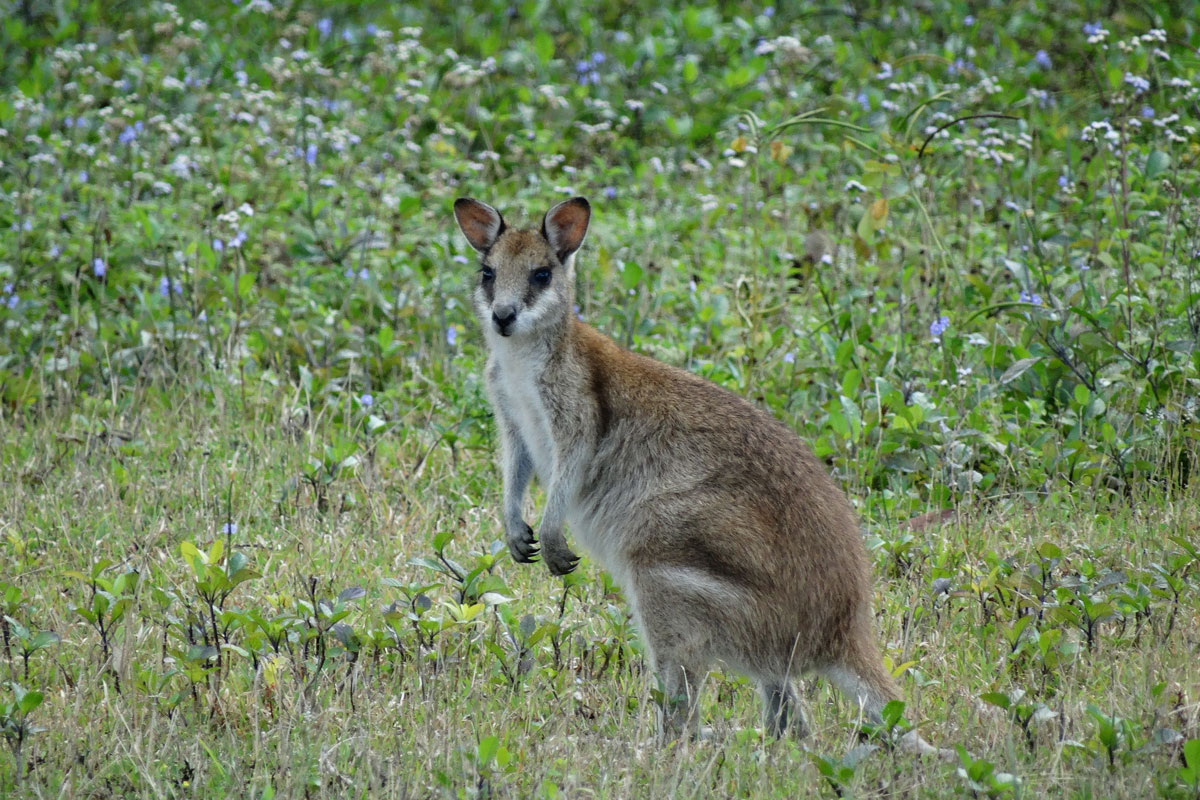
x=729, y=538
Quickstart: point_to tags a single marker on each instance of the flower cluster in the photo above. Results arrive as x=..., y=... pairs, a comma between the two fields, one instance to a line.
x=587, y=70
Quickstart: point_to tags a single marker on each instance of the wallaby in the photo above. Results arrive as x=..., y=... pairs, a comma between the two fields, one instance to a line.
x=726, y=534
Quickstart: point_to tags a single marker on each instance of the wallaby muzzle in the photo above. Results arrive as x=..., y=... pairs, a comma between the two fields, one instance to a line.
x=504, y=316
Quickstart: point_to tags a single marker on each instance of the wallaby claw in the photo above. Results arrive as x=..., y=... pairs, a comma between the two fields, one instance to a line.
x=523, y=546
x=561, y=562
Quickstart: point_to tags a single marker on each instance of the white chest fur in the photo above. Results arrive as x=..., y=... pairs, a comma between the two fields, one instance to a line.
x=515, y=387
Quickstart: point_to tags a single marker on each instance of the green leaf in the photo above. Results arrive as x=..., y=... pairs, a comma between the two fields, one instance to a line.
x=691, y=70
x=245, y=284
x=850, y=382
x=631, y=275
x=385, y=337
x=997, y=699
x=1191, y=755
x=43, y=639
x=201, y=653
x=892, y=713
x=1049, y=550
x=29, y=702
x=543, y=47
x=191, y=554
x=487, y=750
x=1157, y=163
x=1017, y=369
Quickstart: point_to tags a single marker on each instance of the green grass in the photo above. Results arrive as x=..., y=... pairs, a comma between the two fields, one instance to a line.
x=402, y=717
x=249, y=541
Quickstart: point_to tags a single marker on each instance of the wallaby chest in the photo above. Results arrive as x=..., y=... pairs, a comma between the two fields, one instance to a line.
x=518, y=387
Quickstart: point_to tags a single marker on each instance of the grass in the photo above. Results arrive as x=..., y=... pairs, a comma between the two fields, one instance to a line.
x=403, y=719
x=249, y=542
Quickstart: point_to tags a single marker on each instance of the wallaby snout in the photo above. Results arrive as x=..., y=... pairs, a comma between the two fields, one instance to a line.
x=504, y=316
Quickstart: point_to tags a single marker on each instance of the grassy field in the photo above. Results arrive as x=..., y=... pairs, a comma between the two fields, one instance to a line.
x=249, y=520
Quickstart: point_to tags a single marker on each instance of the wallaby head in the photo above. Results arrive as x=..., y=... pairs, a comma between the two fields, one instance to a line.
x=526, y=277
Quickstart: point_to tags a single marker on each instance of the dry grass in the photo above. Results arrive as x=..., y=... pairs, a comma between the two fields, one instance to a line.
x=574, y=717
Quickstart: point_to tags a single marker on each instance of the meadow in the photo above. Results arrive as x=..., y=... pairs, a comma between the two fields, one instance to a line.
x=250, y=542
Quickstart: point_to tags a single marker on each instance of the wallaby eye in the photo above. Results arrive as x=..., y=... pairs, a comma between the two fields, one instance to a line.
x=487, y=273
x=541, y=277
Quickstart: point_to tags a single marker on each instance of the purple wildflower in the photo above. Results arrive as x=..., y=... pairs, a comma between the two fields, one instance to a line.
x=939, y=326
x=1138, y=83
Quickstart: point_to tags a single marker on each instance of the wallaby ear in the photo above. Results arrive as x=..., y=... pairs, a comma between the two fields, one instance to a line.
x=566, y=224
x=480, y=223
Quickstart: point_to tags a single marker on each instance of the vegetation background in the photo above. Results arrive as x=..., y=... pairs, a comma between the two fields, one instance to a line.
x=249, y=542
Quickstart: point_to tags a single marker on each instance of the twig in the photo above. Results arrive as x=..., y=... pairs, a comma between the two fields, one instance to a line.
x=989, y=115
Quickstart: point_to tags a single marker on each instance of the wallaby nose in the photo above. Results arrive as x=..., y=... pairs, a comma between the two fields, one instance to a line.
x=504, y=317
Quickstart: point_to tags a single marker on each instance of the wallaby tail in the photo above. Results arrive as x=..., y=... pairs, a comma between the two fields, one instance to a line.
x=862, y=678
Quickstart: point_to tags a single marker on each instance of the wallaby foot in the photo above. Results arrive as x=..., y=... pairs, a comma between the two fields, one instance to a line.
x=782, y=714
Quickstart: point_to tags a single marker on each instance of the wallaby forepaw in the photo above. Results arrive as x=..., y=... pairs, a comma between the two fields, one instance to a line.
x=561, y=560
x=523, y=545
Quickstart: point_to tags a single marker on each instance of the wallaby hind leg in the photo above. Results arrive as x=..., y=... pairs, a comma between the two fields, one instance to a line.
x=782, y=713
x=679, y=645
x=680, y=684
